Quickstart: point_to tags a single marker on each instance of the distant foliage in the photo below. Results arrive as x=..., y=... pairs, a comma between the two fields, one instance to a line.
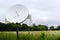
x=25, y=27
x=22, y=27
x=52, y=28
x=39, y=27
x=58, y=27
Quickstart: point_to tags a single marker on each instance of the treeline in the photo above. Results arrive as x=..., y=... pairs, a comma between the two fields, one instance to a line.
x=52, y=28
x=25, y=27
x=21, y=27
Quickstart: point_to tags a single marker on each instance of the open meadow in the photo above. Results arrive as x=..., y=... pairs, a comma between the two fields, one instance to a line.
x=30, y=35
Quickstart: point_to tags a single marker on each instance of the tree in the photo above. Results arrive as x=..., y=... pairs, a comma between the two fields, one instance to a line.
x=39, y=27
x=2, y=26
x=52, y=28
x=34, y=28
x=43, y=27
x=10, y=27
x=23, y=27
x=58, y=27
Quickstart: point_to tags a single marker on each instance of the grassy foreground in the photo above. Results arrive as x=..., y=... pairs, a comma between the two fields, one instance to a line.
x=31, y=35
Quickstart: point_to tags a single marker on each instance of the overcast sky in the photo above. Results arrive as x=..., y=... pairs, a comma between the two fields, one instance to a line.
x=43, y=11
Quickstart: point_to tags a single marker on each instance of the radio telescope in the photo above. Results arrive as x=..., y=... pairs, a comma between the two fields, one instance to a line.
x=18, y=13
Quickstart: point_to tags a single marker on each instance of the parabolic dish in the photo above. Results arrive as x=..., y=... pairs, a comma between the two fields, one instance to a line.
x=17, y=13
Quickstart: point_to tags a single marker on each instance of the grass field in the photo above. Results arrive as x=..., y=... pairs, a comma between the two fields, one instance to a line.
x=31, y=35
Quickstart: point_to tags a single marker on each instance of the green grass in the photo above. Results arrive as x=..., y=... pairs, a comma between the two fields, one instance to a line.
x=31, y=35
